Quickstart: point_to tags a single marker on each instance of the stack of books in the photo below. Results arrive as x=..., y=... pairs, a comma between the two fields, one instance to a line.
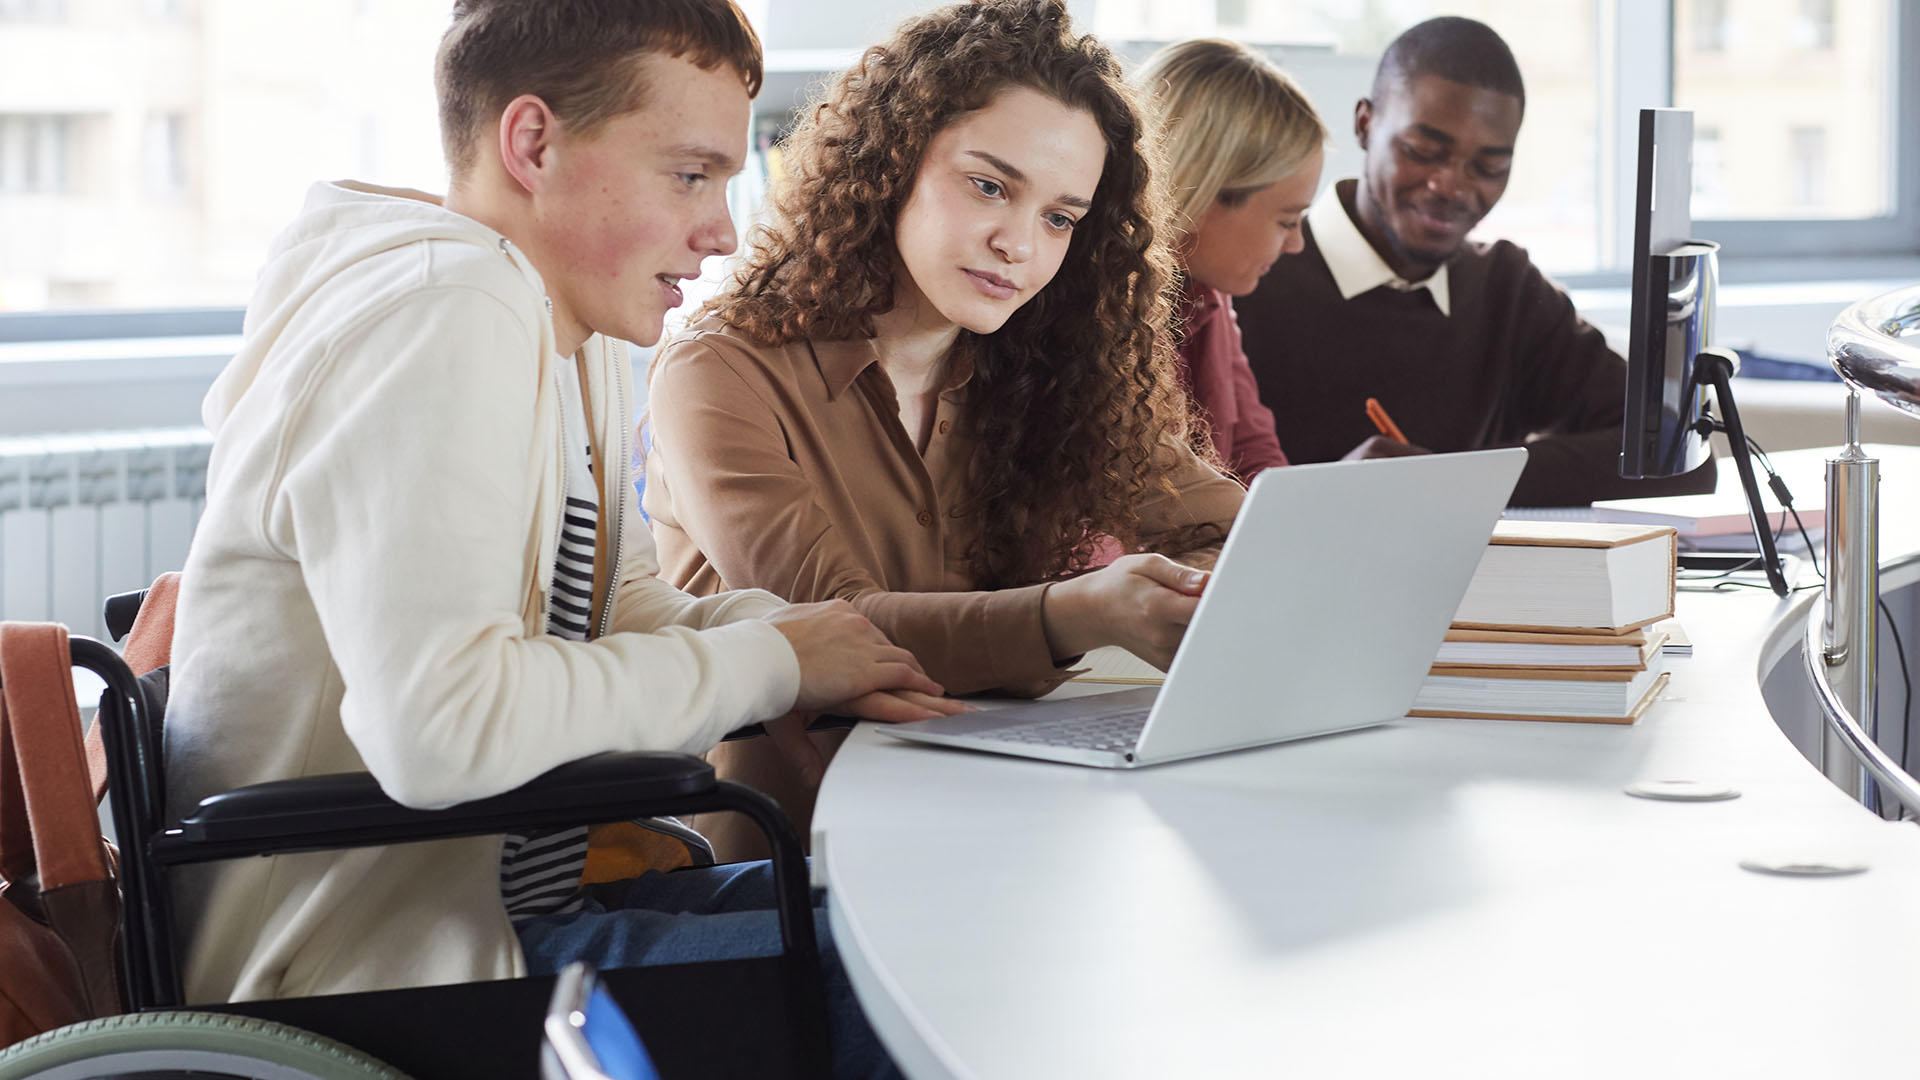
x=1558, y=624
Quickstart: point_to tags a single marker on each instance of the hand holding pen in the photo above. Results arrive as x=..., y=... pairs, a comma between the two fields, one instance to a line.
x=1391, y=442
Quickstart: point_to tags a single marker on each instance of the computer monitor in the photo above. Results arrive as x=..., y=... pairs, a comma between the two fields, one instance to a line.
x=1671, y=360
x=1675, y=286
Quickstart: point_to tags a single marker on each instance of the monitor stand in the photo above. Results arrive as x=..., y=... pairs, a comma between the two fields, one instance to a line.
x=1715, y=367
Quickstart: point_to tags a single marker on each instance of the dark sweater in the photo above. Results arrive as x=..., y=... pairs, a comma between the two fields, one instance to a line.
x=1512, y=361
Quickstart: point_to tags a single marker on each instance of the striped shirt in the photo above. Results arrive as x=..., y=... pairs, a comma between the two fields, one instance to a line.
x=540, y=871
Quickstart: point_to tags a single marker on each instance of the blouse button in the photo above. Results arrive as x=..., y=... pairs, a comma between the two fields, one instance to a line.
x=924, y=519
x=946, y=426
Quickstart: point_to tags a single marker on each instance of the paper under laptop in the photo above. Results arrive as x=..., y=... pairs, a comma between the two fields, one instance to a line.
x=1327, y=605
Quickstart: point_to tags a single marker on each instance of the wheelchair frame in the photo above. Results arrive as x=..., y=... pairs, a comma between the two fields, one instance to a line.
x=689, y=1013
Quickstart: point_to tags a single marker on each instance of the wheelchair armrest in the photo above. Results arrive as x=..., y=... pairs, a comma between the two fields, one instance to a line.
x=121, y=610
x=349, y=810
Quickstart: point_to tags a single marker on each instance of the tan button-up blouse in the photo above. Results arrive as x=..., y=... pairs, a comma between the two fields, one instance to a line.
x=788, y=469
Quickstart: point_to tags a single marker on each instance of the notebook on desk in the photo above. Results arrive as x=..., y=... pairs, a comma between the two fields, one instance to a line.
x=1329, y=600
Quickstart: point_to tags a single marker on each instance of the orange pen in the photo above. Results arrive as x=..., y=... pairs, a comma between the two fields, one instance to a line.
x=1378, y=414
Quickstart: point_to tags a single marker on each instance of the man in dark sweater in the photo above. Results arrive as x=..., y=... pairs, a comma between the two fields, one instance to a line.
x=1466, y=344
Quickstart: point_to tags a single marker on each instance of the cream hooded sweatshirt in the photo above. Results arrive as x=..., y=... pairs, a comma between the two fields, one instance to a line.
x=366, y=591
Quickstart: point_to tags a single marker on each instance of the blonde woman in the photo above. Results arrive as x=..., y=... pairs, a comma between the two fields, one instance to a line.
x=1244, y=146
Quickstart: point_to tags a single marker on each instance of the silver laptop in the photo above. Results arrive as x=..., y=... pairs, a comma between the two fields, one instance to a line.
x=1326, y=608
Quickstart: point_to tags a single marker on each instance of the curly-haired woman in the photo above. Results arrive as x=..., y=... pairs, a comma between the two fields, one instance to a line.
x=940, y=386
x=1244, y=148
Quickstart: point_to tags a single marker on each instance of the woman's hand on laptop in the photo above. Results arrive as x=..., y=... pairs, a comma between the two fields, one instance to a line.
x=845, y=661
x=1141, y=603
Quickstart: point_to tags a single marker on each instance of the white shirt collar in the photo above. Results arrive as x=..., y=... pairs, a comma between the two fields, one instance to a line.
x=1356, y=267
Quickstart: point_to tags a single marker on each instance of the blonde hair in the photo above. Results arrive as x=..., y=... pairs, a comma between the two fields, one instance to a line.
x=1231, y=122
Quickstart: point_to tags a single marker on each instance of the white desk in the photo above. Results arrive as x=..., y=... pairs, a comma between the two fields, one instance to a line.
x=1428, y=898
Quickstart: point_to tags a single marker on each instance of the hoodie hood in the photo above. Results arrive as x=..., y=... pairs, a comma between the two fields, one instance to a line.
x=341, y=224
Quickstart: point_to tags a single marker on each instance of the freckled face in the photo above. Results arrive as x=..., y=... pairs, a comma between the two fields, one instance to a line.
x=636, y=205
x=994, y=207
x=1232, y=247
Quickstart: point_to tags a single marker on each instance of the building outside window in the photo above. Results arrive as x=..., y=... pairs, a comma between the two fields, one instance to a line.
x=35, y=154
x=1816, y=24
x=1709, y=25
x=157, y=174
x=166, y=153
x=48, y=10
x=207, y=126
x=1709, y=172
x=1781, y=117
x=1807, y=167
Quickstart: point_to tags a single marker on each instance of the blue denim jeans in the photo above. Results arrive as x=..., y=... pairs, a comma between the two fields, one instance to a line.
x=704, y=913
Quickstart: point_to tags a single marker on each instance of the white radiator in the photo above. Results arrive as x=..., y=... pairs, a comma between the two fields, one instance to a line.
x=85, y=516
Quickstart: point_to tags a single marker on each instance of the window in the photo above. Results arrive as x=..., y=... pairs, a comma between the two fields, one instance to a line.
x=1784, y=118
x=167, y=153
x=246, y=109
x=1709, y=25
x=48, y=10
x=245, y=118
x=1807, y=168
x=1709, y=175
x=1752, y=71
x=1815, y=27
x=35, y=154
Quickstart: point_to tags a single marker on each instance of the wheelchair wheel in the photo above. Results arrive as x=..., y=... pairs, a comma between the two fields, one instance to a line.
x=156, y=1045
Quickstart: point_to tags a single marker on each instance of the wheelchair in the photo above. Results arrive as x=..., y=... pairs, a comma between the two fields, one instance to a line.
x=755, y=1017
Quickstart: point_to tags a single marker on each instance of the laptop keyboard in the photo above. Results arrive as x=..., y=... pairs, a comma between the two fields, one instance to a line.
x=1118, y=732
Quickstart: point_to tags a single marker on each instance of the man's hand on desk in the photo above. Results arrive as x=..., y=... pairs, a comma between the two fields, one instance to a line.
x=845, y=662
x=1379, y=446
x=1142, y=603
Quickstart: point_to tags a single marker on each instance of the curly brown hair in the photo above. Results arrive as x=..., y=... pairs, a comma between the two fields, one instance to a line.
x=1075, y=404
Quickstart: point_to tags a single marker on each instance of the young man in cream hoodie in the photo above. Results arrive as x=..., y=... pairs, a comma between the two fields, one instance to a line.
x=374, y=582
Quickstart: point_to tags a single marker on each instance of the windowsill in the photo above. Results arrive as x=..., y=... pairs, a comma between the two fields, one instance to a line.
x=38, y=363
x=1889, y=271
x=1758, y=294
x=1780, y=308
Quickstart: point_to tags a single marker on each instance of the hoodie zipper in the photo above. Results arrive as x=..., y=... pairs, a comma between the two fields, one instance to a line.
x=560, y=409
x=618, y=473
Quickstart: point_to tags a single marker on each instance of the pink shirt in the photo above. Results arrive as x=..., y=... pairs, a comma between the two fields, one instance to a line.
x=1218, y=377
